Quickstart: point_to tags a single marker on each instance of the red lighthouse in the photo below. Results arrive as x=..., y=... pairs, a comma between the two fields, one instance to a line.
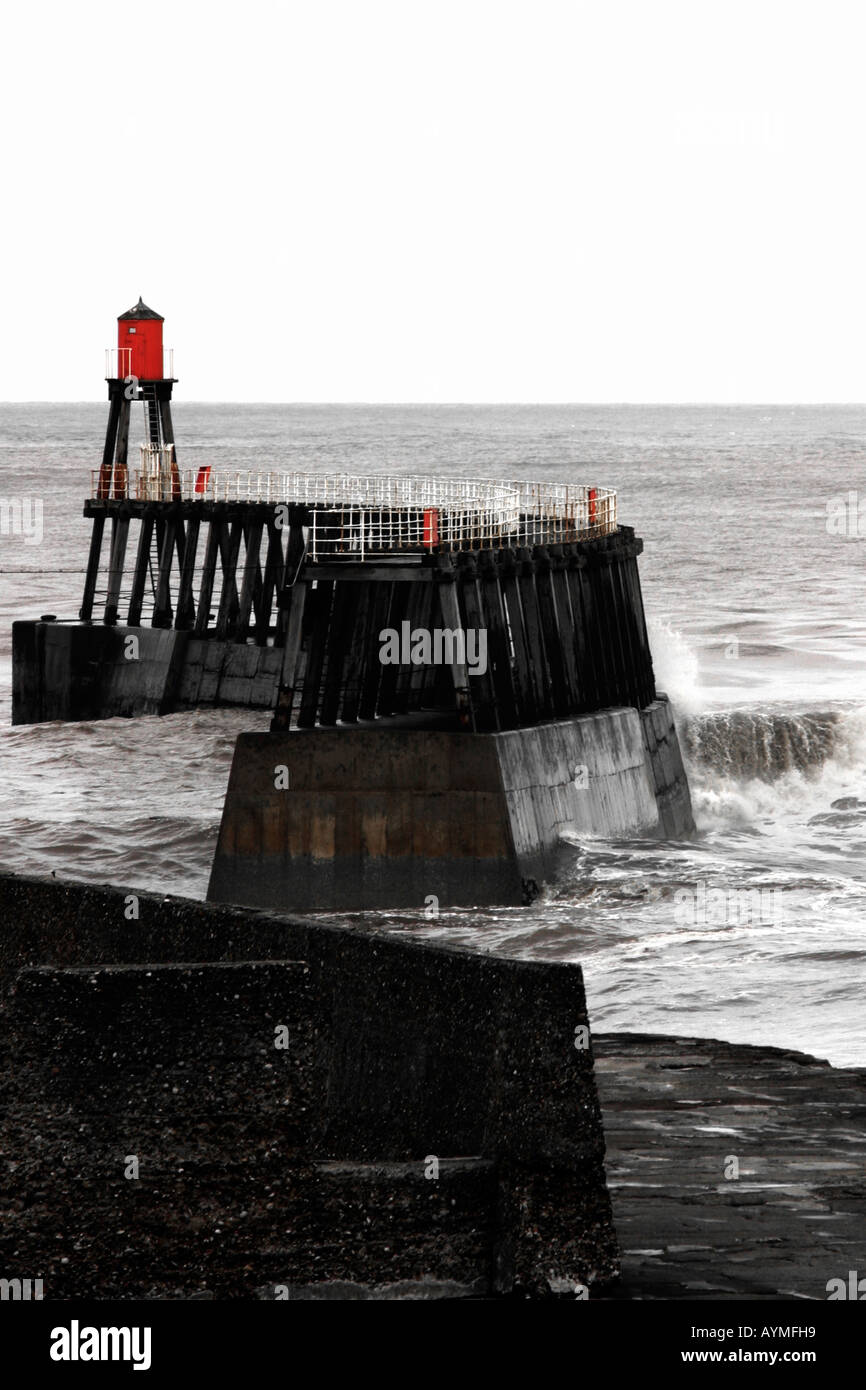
x=139, y=344
x=137, y=373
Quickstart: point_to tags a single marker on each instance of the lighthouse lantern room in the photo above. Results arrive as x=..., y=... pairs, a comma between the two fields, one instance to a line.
x=139, y=344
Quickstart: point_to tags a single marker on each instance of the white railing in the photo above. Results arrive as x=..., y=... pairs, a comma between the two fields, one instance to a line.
x=552, y=512
x=355, y=517
x=118, y=363
x=360, y=533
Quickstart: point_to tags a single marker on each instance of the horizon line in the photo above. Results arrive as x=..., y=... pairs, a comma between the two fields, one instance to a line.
x=572, y=405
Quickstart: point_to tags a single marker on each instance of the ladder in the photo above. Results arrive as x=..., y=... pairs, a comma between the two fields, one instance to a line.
x=152, y=428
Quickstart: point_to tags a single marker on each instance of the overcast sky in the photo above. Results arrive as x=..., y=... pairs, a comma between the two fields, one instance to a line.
x=442, y=201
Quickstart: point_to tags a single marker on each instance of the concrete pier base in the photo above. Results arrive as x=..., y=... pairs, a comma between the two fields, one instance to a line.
x=350, y=819
x=72, y=671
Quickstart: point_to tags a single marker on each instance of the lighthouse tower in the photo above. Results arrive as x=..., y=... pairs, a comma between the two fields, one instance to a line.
x=136, y=371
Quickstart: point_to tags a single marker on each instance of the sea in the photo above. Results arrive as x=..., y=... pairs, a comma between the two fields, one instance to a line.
x=754, y=581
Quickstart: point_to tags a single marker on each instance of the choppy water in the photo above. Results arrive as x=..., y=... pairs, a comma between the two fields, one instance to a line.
x=758, y=623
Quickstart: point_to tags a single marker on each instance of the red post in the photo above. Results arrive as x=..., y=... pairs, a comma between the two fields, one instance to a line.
x=202, y=479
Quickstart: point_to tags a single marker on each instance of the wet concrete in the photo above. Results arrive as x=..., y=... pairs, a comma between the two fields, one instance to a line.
x=735, y=1172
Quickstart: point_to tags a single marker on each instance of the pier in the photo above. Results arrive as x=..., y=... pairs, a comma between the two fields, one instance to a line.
x=458, y=669
x=317, y=566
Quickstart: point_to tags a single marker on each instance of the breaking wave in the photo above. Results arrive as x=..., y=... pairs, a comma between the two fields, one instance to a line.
x=743, y=744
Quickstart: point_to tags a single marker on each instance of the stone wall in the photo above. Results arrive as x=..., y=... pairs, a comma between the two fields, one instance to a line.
x=308, y=1169
x=75, y=671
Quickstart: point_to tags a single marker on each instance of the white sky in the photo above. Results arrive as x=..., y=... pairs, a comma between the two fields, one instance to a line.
x=439, y=201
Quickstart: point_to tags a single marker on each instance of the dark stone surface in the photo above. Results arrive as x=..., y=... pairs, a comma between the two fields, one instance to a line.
x=240, y=1195
x=676, y=1111
x=155, y=1038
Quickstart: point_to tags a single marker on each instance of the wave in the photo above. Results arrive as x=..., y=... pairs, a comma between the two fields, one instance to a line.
x=676, y=666
x=756, y=770
x=749, y=743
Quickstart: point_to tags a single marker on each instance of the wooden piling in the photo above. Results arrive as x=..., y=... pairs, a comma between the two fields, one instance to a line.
x=509, y=587
x=566, y=622
x=414, y=615
x=103, y=491
x=290, y=671
x=380, y=610
x=85, y=612
x=320, y=601
x=390, y=674
x=342, y=635
x=142, y=569
x=272, y=581
x=360, y=652
x=119, y=535
x=120, y=460
x=479, y=681
x=451, y=618
x=552, y=639
x=252, y=571
x=499, y=654
x=538, y=669
x=230, y=545
x=162, y=609
x=185, y=616
x=585, y=630
x=208, y=576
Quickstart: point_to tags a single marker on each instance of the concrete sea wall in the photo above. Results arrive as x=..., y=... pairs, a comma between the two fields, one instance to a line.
x=74, y=671
x=198, y=1100
x=351, y=819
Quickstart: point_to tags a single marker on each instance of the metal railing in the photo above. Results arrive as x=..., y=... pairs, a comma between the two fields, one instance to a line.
x=557, y=512
x=360, y=533
x=118, y=363
x=358, y=517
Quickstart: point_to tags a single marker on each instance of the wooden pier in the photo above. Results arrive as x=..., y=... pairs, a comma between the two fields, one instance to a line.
x=287, y=581
x=552, y=582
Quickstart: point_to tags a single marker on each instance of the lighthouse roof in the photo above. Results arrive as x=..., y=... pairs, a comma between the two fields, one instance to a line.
x=140, y=311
